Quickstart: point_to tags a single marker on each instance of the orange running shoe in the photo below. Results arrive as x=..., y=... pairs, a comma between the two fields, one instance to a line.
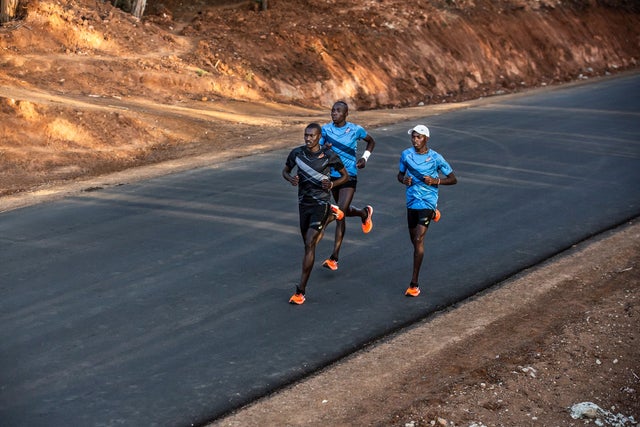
x=367, y=225
x=330, y=264
x=412, y=291
x=436, y=215
x=297, y=299
x=337, y=212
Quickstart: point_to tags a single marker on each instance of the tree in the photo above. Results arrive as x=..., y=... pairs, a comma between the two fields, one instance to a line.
x=138, y=8
x=8, y=10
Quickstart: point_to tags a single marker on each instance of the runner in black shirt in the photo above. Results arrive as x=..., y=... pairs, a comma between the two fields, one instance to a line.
x=314, y=184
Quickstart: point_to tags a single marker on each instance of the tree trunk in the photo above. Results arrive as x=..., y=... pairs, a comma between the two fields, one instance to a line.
x=8, y=10
x=138, y=8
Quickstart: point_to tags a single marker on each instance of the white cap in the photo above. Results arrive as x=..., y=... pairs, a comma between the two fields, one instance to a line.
x=421, y=129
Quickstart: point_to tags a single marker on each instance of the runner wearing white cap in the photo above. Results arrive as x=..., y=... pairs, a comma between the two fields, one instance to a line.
x=422, y=170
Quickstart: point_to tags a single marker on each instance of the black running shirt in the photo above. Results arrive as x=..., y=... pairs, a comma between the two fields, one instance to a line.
x=312, y=169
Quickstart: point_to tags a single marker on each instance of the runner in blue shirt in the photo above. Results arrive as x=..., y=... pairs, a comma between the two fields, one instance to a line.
x=422, y=170
x=343, y=137
x=314, y=165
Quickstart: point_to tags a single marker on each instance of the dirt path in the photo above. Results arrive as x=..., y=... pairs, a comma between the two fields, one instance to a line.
x=228, y=111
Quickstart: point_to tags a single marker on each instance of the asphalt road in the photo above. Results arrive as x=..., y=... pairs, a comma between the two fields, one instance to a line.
x=165, y=302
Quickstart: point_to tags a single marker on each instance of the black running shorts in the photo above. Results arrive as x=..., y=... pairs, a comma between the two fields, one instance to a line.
x=419, y=216
x=313, y=216
x=351, y=183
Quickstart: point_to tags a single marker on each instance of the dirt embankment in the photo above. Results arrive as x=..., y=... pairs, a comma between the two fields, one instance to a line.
x=87, y=89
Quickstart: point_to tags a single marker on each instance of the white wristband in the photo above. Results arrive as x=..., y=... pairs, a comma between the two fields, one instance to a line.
x=366, y=155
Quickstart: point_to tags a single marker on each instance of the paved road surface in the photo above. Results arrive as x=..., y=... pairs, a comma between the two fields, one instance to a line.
x=165, y=302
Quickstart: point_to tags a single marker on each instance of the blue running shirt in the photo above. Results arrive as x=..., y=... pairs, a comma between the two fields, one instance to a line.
x=344, y=141
x=417, y=166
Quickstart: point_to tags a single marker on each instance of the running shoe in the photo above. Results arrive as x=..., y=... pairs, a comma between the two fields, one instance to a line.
x=297, y=299
x=367, y=225
x=337, y=212
x=412, y=291
x=436, y=215
x=330, y=264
